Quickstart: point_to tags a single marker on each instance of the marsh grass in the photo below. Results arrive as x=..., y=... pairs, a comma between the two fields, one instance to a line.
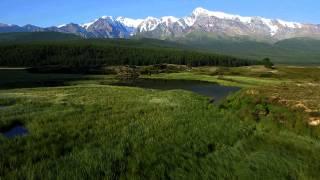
x=91, y=130
x=83, y=132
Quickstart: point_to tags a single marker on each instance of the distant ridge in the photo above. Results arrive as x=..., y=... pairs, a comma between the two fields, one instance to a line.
x=36, y=36
x=169, y=27
x=303, y=51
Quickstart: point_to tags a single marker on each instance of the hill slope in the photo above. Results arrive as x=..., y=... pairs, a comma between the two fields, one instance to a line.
x=88, y=53
x=36, y=36
x=302, y=51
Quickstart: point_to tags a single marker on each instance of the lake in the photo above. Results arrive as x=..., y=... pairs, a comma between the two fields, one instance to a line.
x=214, y=91
x=15, y=131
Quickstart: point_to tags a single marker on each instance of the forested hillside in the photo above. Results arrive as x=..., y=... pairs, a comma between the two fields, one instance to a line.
x=36, y=36
x=299, y=51
x=115, y=52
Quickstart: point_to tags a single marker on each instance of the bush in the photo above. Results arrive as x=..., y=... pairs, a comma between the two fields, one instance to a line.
x=267, y=63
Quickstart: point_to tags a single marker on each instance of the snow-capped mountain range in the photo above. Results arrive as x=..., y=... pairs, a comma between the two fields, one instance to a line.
x=200, y=20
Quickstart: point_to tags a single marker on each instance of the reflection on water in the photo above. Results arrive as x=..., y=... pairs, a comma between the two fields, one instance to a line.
x=216, y=91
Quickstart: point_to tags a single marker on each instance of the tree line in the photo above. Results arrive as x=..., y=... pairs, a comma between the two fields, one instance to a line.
x=96, y=54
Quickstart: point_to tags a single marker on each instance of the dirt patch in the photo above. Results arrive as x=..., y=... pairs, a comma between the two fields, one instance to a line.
x=252, y=92
x=313, y=84
x=314, y=121
x=274, y=99
x=302, y=107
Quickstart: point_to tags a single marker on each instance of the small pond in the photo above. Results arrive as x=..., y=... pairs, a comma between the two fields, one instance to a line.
x=18, y=130
x=214, y=91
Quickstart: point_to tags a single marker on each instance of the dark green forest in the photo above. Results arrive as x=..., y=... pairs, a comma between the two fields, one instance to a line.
x=296, y=51
x=81, y=53
x=36, y=36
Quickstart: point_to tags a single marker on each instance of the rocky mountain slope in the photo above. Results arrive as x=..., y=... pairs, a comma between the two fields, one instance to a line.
x=169, y=27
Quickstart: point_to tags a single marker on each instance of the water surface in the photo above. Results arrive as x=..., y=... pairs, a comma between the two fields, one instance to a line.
x=17, y=130
x=215, y=91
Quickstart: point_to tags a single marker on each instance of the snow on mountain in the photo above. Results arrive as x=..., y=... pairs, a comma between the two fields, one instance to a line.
x=133, y=23
x=168, y=20
x=86, y=25
x=273, y=25
x=200, y=19
x=62, y=25
x=149, y=24
x=189, y=20
x=270, y=24
x=107, y=27
x=290, y=24
x=203, y=12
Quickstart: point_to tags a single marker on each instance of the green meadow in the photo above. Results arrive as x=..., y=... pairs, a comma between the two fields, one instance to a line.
x=83, y=127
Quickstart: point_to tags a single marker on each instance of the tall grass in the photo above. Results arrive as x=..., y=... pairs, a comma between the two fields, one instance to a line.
x=95, y=132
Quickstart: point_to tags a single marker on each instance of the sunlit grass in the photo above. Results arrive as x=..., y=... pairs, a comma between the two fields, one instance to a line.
x=240, y=81
x=91, y=130
x=116, y=132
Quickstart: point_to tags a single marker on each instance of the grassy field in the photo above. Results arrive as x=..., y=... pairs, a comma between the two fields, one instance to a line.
x=250, y=76
x=229, y=80
x=80, y=127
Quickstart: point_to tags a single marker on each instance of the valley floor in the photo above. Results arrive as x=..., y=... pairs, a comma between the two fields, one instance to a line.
x=81, y=127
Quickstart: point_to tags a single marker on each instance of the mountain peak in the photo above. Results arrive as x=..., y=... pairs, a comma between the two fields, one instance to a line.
x=87, y=25
x=107, y=17
x=169, y=18
x=201, y=20
x=133, y=23
x=204, y=12
x=151, y=18
x=5, y=25
x=199, y=11
x=61, y=25
x=222, y=15
x=149, y=24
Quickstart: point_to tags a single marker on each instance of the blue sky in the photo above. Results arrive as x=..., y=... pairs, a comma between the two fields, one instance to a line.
x=55, y=12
